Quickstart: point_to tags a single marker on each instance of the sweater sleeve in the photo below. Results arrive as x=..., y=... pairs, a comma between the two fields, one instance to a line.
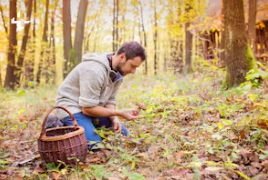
x=90, y=88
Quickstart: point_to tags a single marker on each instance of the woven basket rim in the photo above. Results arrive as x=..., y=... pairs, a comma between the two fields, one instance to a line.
x=80, y=130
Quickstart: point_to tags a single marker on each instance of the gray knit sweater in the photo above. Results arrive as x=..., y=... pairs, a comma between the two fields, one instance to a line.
x=91, y=83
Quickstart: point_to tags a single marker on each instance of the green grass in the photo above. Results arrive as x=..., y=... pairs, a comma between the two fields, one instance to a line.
x=190, y=130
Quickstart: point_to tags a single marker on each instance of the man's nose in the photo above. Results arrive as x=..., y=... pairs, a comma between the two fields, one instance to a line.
x=133, y=71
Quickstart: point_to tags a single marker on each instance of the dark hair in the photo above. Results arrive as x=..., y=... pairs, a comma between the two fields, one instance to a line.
x=132, y=49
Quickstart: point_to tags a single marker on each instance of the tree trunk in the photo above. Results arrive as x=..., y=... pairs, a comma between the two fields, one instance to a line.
x=188, y=48
x=139, y=25
x=5, y=26
x=122, y=31
x=10, y=77
x=222, y=44
x=95, y=38
x=133, y=29
x=53, y=47
x=43, y=45
x=266, y=34
x=3, y=19
x=29, y=62
x=155, y=38
x=188, y=44
x=252, y=24
x=176, y=54
x=114, y=28
x=238, y=55
x=92, y=28
x=32, y=61
x=144, y=35
x=24, y=44
x=173, y=52
x=86, y=49
x=0, y=76
x=88, y=37
x=67, y=34
x=79, y=31
x=117, y=24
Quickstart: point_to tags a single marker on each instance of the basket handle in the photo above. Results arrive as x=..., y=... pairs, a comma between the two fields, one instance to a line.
x=43, y=131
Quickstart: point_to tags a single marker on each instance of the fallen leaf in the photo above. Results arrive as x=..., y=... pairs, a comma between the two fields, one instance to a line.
x=3, y=176
x=56, y=175
x=178, y=156
x=94, y=160
x=232, y=136
x=242, y=134
x=84, y=166
x=265, y=163
x=178, y=172
x=39, y=170
x=18, y=177
x=262, y=124
x=253, y=170
x=248, y=156
x=256, y=165
x=143, y=156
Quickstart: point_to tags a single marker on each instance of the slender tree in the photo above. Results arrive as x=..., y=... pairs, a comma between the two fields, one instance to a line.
x=122, y=24
x=92, y=26
x=67, y=34
x=10, y=77
x=43, y=45
x=115, y=24
x=266, y=34
x=79, y=32
x=29, y=62
x=239, y=57
x=6, y=30
x=52, y=46
x=252, y=11
x=3, y=19
x=188, y=43
x=174, y=25
x=222, y=43
x=96, y=37
x=24, y=43
x=144, y=34
x=155, y=38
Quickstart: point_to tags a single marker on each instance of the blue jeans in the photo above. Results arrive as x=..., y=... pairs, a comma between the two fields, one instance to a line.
x=90, y=124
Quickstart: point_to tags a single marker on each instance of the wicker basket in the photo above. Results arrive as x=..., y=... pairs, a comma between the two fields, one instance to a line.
x=67, y=144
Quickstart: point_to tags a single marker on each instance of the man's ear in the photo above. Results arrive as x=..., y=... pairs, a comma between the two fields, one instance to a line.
x=122, y=57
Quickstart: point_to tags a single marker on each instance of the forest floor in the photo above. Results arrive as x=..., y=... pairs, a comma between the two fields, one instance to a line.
x=191, y=130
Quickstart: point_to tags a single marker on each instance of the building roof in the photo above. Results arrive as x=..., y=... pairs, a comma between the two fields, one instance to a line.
x=214, y=13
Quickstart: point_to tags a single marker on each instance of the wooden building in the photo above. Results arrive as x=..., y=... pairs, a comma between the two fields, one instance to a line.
x=211, y=37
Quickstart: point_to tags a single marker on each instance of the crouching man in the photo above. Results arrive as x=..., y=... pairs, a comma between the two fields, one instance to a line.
x=89, y=91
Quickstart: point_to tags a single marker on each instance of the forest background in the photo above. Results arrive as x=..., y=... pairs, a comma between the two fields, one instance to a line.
x=204, y=85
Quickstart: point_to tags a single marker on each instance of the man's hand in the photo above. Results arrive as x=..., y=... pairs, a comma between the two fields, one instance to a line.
x=117, y=125
x=110, y=111
x=129, y=114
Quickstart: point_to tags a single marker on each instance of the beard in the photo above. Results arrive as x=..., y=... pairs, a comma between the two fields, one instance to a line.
x=119, y=68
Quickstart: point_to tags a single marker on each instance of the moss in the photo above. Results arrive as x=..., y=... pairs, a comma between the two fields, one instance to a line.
x=224, y=86
x=226, y=83
x=250, y=60
x=250, y=63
